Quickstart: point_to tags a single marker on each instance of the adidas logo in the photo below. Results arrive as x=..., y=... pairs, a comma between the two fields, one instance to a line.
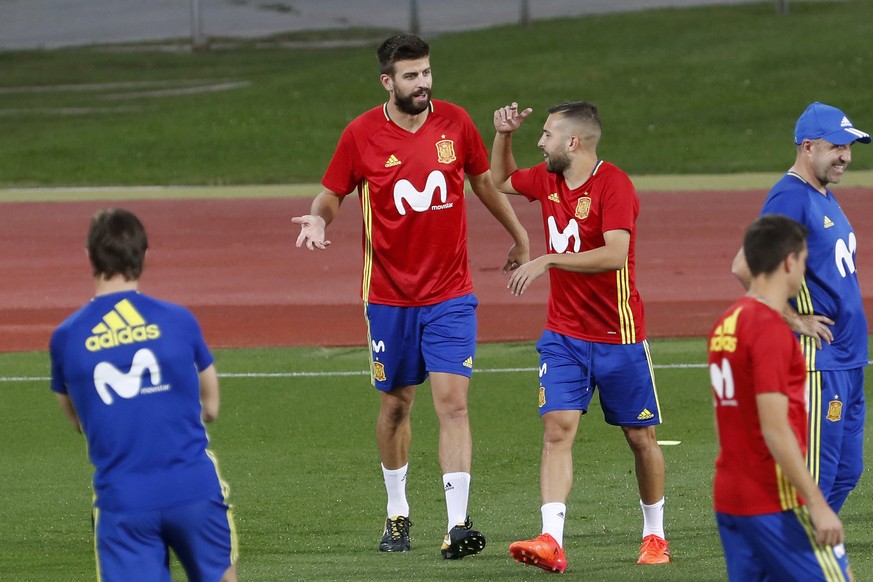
x=449, y=486
x=392, y=161
x=845, y=122
x=468, y=363
x=645, y=415
x=554, y=197
x=828, y=222
x=121, y=326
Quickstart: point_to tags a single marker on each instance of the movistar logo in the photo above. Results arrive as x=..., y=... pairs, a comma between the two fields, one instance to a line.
x=560, y=240
x=121, y=326
x=420, y=201
x=129, y=384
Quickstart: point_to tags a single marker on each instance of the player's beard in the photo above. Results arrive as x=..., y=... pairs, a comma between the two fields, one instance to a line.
x=406, y=103
x=557, y=163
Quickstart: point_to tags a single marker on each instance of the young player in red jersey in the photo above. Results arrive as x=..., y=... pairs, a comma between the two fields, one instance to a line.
x=408, y=159
x=595, y=334
x=774, y=521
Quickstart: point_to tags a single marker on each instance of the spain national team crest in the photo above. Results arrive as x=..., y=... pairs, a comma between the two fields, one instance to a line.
x=835, y=411
x=445, y=151
x=583, y=207
x=542, y=396
x=379, y=371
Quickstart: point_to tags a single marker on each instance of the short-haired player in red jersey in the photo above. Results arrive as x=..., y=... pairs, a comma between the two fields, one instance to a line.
x=774, y=521
x=407, y=159
x=595, y=335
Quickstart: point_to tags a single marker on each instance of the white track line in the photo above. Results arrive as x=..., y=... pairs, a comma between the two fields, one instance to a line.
x=341, y=374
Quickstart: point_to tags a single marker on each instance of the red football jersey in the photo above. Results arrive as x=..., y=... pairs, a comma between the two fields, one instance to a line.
x=601, y=307
x=411, y=187
x=753, y=351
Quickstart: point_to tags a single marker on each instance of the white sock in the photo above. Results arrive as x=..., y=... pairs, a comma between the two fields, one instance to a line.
x=553, y=520
x=457, y=487
x=653, y=519
x=395, y=485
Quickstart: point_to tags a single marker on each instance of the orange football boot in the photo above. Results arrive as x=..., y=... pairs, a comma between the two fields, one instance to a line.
x=543, y=552
x=654, y=550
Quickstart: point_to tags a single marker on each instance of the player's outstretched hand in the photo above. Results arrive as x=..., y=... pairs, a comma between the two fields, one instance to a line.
x=518, y=255
x=525, y=274
x=508, y=119
x=814, y=326
x=311, y=232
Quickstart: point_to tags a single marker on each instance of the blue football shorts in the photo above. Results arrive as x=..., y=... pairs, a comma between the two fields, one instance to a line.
x=837, y=411
x=407, y=343
x=570, y=370
x=779, y=546
x=133, y=547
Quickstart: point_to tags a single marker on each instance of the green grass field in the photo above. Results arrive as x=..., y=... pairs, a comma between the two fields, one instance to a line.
x=693, y=91
x=690, y=92
x=298, y=450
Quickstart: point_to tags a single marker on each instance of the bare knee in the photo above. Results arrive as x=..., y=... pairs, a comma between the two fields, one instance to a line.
x=396, y=406
x=641, y=439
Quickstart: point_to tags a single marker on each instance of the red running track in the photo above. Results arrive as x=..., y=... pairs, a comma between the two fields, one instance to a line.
x=234, y=263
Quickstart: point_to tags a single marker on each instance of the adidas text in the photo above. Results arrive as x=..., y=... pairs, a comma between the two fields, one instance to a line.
x=124, y=336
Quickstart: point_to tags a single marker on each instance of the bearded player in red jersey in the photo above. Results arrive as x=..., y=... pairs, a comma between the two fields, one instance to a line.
x=595, y=335
x=774, y=521
x=407, y=159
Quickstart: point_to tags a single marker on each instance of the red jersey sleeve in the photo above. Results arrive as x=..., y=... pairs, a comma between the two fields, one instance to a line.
x=342, y=175
x=620, y=205
x=530, y=182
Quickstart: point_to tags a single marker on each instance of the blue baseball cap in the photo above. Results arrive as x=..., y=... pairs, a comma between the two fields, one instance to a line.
x=821, y=121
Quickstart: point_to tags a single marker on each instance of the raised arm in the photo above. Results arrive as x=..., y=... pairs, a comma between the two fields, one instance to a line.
x=312, y=226
x=498, y=205
x=506, y=120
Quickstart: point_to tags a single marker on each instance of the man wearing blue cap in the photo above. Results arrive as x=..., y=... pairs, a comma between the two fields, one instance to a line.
x=828, y=312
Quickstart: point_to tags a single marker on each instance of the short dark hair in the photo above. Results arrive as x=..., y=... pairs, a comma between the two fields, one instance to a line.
x=579, y=111
x=769, y=240
x=116, y=244
x=401, y=47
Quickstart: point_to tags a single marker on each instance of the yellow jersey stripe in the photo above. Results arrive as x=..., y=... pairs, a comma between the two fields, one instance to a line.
x=368, y=239
x=95, y=516
x=652, y=376
x=225, y=494
x=625, y=314
x=813, y=453
x=805, y=307
x=369, y=346
x=787, y=493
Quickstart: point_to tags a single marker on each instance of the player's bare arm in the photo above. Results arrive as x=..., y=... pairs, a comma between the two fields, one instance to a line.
x=69, y=411
x=782, y=443
x=312, y=226
x=209, y=396
x=612, y=256
x=498, y=205
x=815, y=326
x=506, y=120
